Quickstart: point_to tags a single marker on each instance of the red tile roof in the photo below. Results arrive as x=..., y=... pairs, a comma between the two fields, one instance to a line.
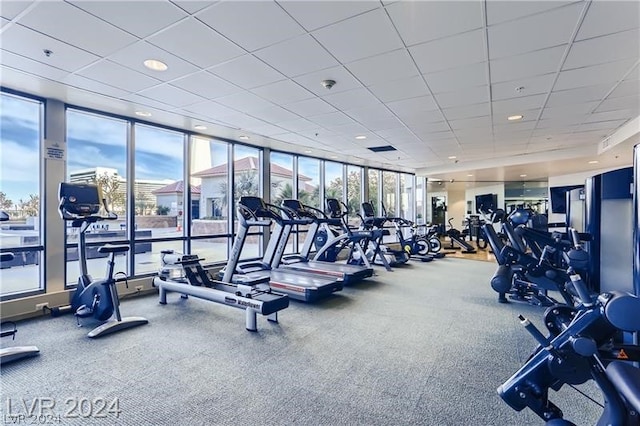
x=176, y=187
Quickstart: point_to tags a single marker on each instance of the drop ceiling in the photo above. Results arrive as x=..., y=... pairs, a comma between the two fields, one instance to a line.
x=434, y=79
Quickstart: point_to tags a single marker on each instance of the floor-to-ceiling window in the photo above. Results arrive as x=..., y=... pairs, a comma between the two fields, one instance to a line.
x=354, y=191
x=374, y=197
x=333, y=180
x=97, y=154
x=420, y=211
x=209, y=195
x=20, y=135
x=309, y=182
x=389, y=195
x=158, y=194
x=246, y=177
x=281, y=177
x=406, y=196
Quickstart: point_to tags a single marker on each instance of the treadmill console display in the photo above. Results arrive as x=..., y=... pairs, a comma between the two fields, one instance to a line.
x=79, y=199
x=333, y=208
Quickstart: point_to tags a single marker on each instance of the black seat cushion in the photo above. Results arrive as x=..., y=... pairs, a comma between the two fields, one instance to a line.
x=113, y=248
x=626, y=379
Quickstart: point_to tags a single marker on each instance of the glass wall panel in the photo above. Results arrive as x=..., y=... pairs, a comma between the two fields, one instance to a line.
x=420, y=200
x=210, y=249
x=309, y=181
x=148, y=254
x=246, y=175
x=389, y=197
x=281, y=177
x=20, y=193
x=209, y=187
x=374, y=177
x=97, y=153
x=158, y=186
x=333, y=181
x=354, y=190
x=406, y=196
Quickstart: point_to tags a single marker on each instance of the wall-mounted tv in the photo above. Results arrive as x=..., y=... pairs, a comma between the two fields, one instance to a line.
x=486, y=202
x=559, y=197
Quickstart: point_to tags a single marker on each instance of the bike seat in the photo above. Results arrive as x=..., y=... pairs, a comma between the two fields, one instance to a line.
x=113, y=248
x=626, y=379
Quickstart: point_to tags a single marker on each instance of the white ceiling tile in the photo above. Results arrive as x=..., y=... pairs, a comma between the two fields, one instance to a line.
x=283, y=92
x=563, y=111
x=626, y=88
x=265, y=129
x=331, y=119
x=606, y=17
x=473, y=95
x=29, y=43
x=251, y=24
x=365, y=35
x=141, y=18
x=171, y=95
x=515, y=106
x=211, y=48
x=457, y=78
x=581, y=94
x=467, y=111
x=350, y=130
x=344, y=81
x=500, y=11
x=400, y=89
x=192, y=6
x=530, y=86
x=604, y=49
x=315, y=14
x=471, y=123
x=30, y=66
x=388, y=123
x=393, y=65
x=421, y=117
x=119, y=76
x=134, y=55
x=244, y=101
x=369, y=114
x=400, y=133
x=275, y=114
x=516, y=128
x=10, y=9
x=620, y=114
x=84, y=83
x=451, y=52
x=64, y=22
x=211, y=109
x=423, y=21
x=206, y=85
x=526, y=65
x=429, y=128
x=247, y=72
x=609, y=126
x=596, y=74
x=524, y=35
x=3, y=22
x=351, y=99
x=298, y=124
x=143, y=101
x=297, y=56
x=626, y=102
x=310, y=107
x=413, y=105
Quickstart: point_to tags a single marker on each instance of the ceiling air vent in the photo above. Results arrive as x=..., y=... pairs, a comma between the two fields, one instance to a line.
x=383, y=148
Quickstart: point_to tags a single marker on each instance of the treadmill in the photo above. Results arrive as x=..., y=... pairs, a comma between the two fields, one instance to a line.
x=303, y=286
x=299, y=214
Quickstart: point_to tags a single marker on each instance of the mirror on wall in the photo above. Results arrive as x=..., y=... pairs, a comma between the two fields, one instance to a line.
x=533, y=195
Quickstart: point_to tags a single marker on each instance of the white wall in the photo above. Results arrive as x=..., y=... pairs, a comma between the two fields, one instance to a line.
x=456, y=208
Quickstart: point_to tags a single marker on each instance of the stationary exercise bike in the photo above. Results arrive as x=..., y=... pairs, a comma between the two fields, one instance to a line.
x=80, y=204
x=8, y=328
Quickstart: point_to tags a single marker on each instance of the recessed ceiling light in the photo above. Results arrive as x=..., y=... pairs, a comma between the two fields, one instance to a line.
x=334, y=156
x=435, y=180
x=469, y=175
x=143, y=114
x=307, y=151
x=523, y=175
x=452, y=157
x=361, y=137
x=200, y=127
x=156, y=65
x=514, y=117
x=243, y=137
x=593, y=162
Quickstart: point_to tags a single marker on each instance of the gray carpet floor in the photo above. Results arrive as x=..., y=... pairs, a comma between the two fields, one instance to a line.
x=425, y=344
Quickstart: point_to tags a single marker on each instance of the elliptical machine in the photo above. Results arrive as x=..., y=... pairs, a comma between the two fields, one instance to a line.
x=9, y=328
x=80, y=204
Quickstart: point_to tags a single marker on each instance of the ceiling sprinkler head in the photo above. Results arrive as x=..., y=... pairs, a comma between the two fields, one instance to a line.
x=328, y=84
x=47, y=52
